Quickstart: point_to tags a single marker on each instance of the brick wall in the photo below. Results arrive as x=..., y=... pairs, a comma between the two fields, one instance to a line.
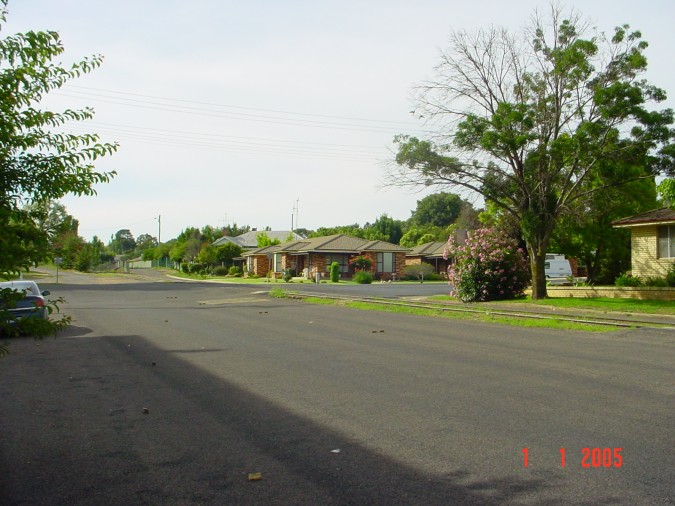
x=261, y=265
x=318, y=262
x=626, y=292
x=373, y=261
x=645, y=260
x=399, y=264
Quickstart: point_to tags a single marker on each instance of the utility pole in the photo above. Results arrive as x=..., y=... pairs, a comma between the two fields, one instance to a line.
x=296, y=214
x=159, y=229
x=159, y=238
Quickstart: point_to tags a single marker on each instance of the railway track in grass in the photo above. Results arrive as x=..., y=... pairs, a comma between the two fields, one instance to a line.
x=535, y=313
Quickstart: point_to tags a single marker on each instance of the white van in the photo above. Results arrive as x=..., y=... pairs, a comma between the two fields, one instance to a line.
x=556, y=266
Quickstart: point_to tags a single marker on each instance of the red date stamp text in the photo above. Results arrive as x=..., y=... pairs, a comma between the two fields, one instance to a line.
x=590, y=457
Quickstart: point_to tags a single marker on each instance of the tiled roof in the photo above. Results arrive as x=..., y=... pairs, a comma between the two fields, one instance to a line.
x=261, y=251
x=250, y=239
x=664, y=215
x=428, y=249
x=338, y=243
x=383, y=246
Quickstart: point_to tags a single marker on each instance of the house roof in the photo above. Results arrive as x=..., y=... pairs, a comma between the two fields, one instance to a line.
x=338, y=243
x=429, y=249
x=663, y=216
x=250, y=239
x=261, y=251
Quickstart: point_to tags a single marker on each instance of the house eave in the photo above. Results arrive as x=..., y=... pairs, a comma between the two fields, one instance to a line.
x=646, y=223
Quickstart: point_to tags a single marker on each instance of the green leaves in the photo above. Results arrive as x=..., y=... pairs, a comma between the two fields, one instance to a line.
x=422, y=156
x=534, y=124
x=38, y=160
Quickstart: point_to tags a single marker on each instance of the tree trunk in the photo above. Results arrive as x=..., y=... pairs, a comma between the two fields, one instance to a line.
x=593, y=266
x=537, y=259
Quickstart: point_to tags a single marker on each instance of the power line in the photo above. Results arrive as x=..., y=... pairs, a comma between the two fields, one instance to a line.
x=232, y=115
x=250, y=148
x=206, y=135
x=274, y=111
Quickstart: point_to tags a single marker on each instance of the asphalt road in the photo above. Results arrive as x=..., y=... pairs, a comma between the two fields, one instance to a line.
x=172, y=393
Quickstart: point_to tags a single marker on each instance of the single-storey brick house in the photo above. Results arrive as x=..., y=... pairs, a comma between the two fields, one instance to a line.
x=430, y=253
x=249, y=241
x=307, y=257
x=652, y=241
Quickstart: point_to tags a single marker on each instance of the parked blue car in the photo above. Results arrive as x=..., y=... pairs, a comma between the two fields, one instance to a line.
x=30, y=301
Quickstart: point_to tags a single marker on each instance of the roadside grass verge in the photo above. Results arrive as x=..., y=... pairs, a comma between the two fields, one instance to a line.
x=319, y=301
x=295, y=281
x=605, y=304
x=278, y=293
x=488, y=317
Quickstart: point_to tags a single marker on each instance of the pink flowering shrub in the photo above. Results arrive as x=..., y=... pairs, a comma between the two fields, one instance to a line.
x=488, y=266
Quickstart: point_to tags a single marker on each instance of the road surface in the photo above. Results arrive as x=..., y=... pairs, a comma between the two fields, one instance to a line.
x=179, y=393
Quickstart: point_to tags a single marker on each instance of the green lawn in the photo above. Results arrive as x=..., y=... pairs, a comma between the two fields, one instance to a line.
x=597, y=303
x=550, y=323
x=607, y=304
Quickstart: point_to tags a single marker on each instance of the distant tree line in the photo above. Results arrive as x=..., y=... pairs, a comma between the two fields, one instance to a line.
x=586, y=235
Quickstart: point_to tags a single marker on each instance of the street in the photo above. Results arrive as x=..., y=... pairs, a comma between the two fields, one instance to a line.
x=179, y=393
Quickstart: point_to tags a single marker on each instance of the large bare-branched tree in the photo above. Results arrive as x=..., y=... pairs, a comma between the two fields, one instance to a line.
x=534, y=121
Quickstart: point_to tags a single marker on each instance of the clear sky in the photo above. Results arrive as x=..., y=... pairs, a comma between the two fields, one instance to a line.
x=239, y=112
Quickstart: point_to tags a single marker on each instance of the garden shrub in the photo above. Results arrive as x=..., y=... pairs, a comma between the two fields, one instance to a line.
x=627, y=279
x=288, y=275
x=655, y=281
x=83, y=260
x=220, y=271
x=185, y=267
x=419, y=271
x=488, y=266
x=335, y=272
x=363, y=277
x=196, y=268
x=234, y=271
x=361, y=262
x=670, y=276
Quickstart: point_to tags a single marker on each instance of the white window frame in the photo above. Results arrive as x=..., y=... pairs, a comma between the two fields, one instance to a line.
x=666, y=241
x=341, y=258
x=386, y=260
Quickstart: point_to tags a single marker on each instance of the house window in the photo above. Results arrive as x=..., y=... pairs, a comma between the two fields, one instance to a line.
x=385, y=262
x=667, y=241
x=342, y=259
x=277, y=262
x=249, y=264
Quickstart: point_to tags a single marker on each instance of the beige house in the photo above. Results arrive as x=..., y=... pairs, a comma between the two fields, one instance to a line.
x=431, y=253
x=652, y=241
x=307, y=257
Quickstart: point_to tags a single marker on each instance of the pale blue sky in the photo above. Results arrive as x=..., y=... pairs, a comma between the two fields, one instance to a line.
x=231, y=111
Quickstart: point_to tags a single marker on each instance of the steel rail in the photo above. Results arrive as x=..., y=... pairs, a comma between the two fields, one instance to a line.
x=612, y=322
